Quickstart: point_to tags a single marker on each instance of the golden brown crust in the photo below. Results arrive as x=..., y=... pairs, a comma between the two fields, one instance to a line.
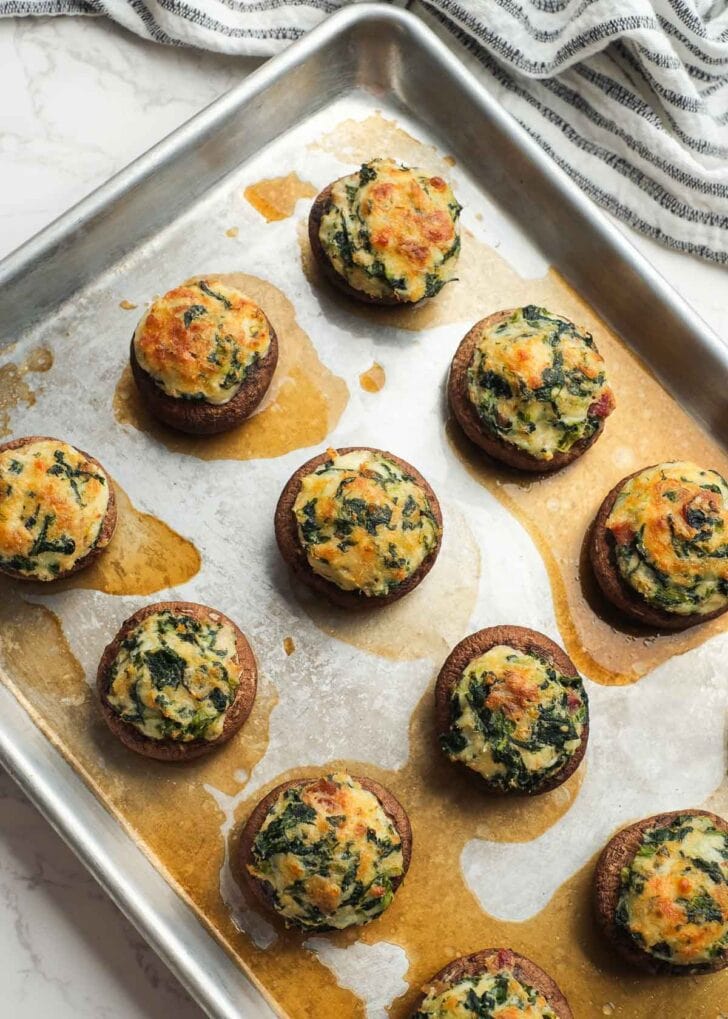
x=288, y=542
x=617, y=590
x=475, y=428
x=198, y=417
x=321, y=205
x=523, y=969
x=108, y=524
x=618, y=853
x=169, y=749
x=522, y=639
x=259, y=889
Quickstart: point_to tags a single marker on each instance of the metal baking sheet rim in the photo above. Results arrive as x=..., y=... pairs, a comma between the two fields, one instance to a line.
x=141, y=892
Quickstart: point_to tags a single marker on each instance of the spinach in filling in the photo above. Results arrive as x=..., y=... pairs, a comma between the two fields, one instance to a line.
x=538, y=382
x=392, y=230
x=673, y=899
x=489, y=995
x=328, y=854
x=175, y=677
x=53, y=502
x=200, y=341
x=515, y=719
x=364, y=523
x=670, y=531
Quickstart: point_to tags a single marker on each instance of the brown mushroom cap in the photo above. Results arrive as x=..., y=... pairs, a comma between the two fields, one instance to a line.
x=286, y=530
x=477, y=430
x=260, y=890
x=108, y=524
x=525, y=971
x=615, y=588
x=529, y=642
x=199, y=417
x=619, y=852
x=171, y=749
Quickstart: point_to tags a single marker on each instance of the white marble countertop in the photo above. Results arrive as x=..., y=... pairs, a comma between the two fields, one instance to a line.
x=81, y=98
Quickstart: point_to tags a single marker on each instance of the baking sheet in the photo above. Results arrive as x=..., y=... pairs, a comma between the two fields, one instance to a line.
x=518, y=873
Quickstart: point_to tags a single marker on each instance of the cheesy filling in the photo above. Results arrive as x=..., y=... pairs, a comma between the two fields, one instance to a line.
x=199, y=341
x=364, y=524
x=489, y=995
x=515, y=719
x=175, y=676
x=538, y=383
x=670, y=531
x=392, y=231
x=53, y=502
x=674, y=894
x=328, y=853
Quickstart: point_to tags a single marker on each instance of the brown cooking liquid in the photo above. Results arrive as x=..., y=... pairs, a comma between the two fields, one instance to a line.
x=14, y=387
x=425, y=623
x=182, y=832
x=303, y=404
x=434, y=916
x=145, y=555
x=276, y=198
x=603, y=644
x=373, y=379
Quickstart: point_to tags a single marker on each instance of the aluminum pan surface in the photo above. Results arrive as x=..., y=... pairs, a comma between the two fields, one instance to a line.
x=69, y=252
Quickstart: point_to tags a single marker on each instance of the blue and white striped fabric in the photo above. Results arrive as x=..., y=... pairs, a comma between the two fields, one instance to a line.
x=630, y=97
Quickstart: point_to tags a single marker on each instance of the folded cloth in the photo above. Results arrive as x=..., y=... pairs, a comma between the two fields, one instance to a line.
x=629, y=97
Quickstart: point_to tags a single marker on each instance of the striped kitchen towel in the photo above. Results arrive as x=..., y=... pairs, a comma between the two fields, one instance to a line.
x=630, y=97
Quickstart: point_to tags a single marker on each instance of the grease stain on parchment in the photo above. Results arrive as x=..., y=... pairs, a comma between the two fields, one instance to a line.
x=181, y=834
x=557, y=509
x=14, y=386
x=435, y=916
x=447, y=807
x=145, y=555
x=604, y=646
x=276, y=198
x=372, y=380
x=34, y=649
x=302, y=406
x=427, y=622
x=375, y=137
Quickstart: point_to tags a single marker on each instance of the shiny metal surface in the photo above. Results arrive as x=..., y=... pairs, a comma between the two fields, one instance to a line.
x=385, y=51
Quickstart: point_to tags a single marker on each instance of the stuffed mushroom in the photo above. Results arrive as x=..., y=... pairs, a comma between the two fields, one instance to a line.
x=530, y=388
x=387, y=234
x=661, y=892
x=511, y=706
x=177, y=681
x=203, y=356
x=326, y=853
x=359, y=526
x=659, y=545
x=495, y=983
x=57, y=509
